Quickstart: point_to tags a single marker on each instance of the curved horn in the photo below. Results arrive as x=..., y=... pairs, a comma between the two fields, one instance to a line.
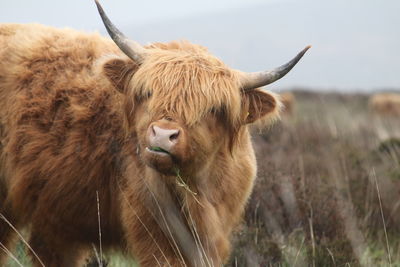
x=132, y=49
x=254, y=80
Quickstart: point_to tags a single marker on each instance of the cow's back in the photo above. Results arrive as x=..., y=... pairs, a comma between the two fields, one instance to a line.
x=43, y=67
x=37, y=60
x=60, y=128
x=33, y=53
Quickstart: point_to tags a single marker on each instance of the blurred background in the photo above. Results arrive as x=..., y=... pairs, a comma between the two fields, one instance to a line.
x=355, y=42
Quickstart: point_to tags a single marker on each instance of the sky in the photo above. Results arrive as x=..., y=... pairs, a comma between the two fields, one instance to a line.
x=355, y=42
x=81, y=14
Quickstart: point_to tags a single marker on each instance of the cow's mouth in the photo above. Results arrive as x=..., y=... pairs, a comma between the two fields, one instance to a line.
x=157, y=150
x=159, y=159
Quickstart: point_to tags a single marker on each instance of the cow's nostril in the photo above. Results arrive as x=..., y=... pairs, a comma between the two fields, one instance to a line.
x=163, y=138
x=174, y=136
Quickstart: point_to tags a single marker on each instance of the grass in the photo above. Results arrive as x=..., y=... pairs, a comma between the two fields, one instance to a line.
x=327, y=192
x=111, y=260
x=328, y=188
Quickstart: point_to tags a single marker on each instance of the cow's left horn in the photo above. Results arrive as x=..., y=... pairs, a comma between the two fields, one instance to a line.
x=254, y=80
x=131, y=48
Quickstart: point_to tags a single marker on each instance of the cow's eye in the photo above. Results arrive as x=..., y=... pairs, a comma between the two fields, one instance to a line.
x=144, y=95
x=218, y=112
x=214, y=111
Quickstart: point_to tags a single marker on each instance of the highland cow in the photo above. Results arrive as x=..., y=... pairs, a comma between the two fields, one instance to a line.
x=385, y=104
x=158, y=133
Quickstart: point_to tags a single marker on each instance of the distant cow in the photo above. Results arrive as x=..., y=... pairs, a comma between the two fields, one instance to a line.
x=158, y=133
x=288, y=101
x=387, y=104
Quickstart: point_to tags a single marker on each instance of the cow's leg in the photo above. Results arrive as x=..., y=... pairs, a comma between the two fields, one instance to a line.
x=6, y=237
x=53, y=251
x=7, y=234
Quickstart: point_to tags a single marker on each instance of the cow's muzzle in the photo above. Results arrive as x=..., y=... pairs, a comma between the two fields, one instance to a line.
x=165, y=145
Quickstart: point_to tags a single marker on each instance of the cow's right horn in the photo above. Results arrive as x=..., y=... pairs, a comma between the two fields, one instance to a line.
x=252, y=80
x=131, y=48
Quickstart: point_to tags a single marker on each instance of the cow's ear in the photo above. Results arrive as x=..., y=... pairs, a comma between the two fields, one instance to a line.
x=260, y=105
x=120, y=72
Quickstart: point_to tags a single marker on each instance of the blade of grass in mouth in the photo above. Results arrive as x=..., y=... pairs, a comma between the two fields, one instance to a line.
x=158, y=149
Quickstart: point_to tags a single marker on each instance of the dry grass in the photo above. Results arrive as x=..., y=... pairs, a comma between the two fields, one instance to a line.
x=317, y=199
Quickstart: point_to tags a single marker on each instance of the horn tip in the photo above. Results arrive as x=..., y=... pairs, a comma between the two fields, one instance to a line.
x=301, y=54
x=97, y=4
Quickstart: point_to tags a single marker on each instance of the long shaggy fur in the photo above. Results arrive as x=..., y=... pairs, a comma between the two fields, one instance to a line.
x=71, y=126
x=180, y=74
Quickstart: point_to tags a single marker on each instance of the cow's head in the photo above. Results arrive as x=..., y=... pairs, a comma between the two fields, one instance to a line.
x=184, y=105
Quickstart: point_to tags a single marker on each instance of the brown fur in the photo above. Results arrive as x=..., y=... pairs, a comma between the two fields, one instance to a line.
x=67, y=134
x=386, y=104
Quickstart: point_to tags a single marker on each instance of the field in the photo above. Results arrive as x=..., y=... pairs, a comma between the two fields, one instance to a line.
x=328, y=188
x=327, y=192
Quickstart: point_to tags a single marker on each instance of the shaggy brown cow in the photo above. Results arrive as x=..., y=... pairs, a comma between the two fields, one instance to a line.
x=159, y=133
x=387, y=104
